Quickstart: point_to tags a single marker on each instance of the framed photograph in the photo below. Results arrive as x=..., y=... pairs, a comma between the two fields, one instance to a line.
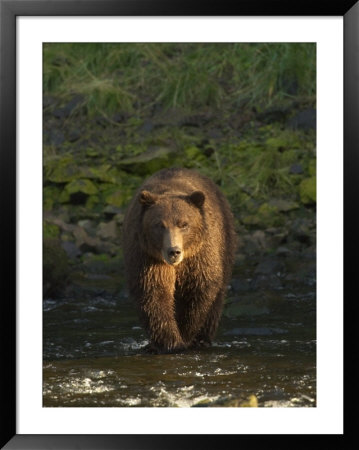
x=97, y=97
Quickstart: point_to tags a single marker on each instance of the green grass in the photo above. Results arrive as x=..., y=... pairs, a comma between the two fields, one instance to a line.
x=251, y=162
x=134, y=77
x=259, y=166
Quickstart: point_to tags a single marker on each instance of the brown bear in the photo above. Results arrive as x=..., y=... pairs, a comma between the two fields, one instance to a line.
x=179, y=245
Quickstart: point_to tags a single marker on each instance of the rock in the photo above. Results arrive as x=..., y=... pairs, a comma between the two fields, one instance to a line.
x=153, y=159
x=269, y=266
x=283, y=251
x=71, y=249
x=55, y=267
x=107, y=231
x=79, y=191
x=111, y=211
x=88, y=226
x=259, y=238
x=61, y=169
x=272, y=281
x=119, y=218
x=103, y=172
x=84, y=242
x=296, y=169
x=88, y=243
x=255, y=242
x=102, y=264
x=304, y=120
x=230, y=401
x=273, y=114
x=81, y=185
x=283, y=205
x=117, y=198
x=239, y=285
x=308, y=191
x=266, y=216
x=64, y=169
x=303, y=231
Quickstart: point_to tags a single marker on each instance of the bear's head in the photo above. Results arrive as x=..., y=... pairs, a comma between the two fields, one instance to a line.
x=172, y=225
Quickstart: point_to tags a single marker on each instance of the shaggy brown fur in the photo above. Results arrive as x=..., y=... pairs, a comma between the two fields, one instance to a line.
x=179, y=245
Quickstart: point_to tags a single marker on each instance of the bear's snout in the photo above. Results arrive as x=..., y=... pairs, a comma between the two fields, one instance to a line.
x=174, y=254
x=172, y=249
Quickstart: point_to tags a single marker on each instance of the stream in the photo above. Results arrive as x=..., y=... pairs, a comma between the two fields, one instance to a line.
x=93, y=355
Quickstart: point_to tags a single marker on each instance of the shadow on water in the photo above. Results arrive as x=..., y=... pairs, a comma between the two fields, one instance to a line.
x=94, y=356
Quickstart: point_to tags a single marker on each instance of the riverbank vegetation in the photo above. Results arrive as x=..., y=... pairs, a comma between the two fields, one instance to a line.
x=243, y=114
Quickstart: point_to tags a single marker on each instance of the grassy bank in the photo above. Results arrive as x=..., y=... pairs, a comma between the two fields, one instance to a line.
x=135, y=77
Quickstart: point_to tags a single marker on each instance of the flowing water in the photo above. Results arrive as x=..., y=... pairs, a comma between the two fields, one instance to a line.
x=94, y=356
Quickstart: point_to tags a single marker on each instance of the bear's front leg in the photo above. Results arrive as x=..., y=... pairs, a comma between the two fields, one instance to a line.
x=155, y=294
x=208, y=330
x=158, y=316
x=198, y=315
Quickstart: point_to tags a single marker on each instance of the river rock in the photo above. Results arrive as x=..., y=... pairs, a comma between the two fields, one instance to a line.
x=155, y=158
x=55, y=267
x=305, y=120
x=283, y=205
x=269, y=266
x=61, y=169
x=111, y=211
x=117, y=198
x=71, y=249
x=81, y=185
x=107, y=231
x=239, y=285
x=283, y=251
x=230, y=401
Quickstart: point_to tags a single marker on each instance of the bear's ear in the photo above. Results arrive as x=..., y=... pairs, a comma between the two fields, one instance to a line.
x=147, y=198
x=197, y=198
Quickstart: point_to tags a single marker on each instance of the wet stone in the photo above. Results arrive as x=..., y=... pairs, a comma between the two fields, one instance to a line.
x=304, y=120
x=239, y=284
x=107, y=231
x=269, y=266
x=283, y=251
x=71, y=249
x=110, y=211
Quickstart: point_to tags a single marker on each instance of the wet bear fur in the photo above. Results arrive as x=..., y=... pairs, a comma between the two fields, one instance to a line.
x=179, y=245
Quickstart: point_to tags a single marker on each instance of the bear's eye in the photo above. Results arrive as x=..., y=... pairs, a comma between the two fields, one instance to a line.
x=183, y=225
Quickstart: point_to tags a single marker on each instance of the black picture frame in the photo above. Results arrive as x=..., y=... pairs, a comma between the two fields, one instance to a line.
x=9, y=10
